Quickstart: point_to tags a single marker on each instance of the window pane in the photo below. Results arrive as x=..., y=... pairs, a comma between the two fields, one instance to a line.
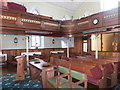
x=63, y=44
x=84, y=47
x=110, y=42
x=35, y=42
x=93, y=42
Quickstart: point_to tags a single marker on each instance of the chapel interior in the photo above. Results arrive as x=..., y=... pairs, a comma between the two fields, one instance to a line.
x=48, y=44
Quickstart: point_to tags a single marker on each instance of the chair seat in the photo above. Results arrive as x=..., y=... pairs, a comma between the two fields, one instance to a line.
x=52, y=82
x=93, y=80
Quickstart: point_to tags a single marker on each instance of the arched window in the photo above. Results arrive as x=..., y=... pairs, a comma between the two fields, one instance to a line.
x=66, y=17
x=34, y=11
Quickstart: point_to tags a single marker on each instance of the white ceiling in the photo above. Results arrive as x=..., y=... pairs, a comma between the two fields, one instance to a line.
x=72, y=6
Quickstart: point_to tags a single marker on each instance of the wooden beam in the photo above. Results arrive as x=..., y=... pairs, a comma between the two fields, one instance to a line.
x=12, y=32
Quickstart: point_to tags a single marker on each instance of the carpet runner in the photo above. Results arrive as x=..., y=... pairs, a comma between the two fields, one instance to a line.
x=8, y=81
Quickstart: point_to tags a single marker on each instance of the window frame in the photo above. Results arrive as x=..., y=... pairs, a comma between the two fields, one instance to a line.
x=35, y=42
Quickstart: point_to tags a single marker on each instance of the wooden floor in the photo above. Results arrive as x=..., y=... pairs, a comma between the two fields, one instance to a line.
x=8, y=68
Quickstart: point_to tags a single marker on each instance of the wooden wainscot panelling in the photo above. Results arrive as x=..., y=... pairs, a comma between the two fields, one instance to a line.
x=110, y=55
x=16, y=20
x=50, y=25
x=83, y=24
x=77, y=46
x=19, y=20
x=30, y=21
x=68, y=26
x=110, y=17
x=11, y=53
x=96, y=20
x=8, y=19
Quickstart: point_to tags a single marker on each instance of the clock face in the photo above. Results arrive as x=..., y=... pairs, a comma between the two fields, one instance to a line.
x=95, y=21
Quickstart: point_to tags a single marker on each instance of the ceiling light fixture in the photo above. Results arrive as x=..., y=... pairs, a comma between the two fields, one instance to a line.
x=70, y=35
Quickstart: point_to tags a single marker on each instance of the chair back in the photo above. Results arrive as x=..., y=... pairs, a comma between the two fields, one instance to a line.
x=77, y=75
x=63, y=69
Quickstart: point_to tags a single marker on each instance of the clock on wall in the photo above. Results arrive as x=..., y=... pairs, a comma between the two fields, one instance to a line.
x=95, y=21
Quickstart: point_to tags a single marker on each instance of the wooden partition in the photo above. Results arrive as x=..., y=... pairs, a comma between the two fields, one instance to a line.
x=85, y=68
x=104, y=63
x=83, y=24
x=50, y=25
x=24, y=21
x=16, y=52
x=111, y=17
x=68, y=26
x=109, y=55
x=77, y=46
x=28, y=21
x=78, y=50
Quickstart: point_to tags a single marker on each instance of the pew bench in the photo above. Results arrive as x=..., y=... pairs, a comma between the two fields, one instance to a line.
x=60, y=81
x=93, y=69
x=110, y=71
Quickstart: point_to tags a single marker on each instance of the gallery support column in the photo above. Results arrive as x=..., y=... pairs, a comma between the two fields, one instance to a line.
x=96, y=51
x=68, y=47
x=27, y=49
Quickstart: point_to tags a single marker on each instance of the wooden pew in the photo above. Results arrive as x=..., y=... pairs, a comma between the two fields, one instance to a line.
x=109, y=64
x=21, y=67
x=102, y=62
x=85, y=67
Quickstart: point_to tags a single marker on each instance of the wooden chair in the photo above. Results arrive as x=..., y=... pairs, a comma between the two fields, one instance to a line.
x=61, y=82
x=55, y=81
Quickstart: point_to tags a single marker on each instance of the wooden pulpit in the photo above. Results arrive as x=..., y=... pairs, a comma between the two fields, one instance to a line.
x=21, y=67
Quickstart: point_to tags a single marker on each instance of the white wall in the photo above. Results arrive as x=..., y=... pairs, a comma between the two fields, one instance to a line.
x=64, y=42
x=87, y=8
x=8, y=42
x=48, y=42
x=46, y=9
